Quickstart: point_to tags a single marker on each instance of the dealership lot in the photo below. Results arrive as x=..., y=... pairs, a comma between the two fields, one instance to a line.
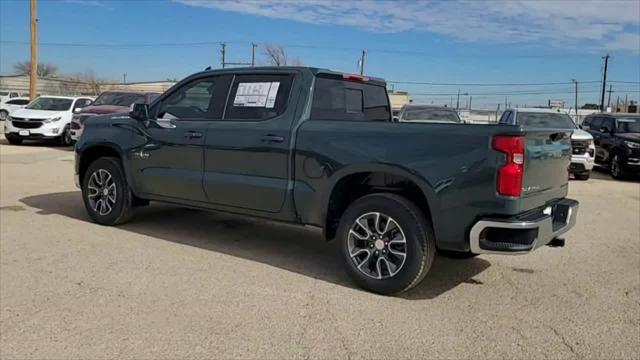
x=182, y=283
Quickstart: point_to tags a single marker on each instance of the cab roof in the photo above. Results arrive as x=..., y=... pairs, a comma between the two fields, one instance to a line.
x=313, y=70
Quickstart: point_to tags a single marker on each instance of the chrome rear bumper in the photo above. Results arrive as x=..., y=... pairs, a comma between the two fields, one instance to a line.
x=516, y=235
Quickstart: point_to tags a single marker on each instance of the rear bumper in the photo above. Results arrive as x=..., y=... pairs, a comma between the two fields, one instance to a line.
x=521, y=235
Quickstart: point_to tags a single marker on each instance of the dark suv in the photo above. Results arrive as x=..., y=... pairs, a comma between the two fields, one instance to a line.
x=617, y=140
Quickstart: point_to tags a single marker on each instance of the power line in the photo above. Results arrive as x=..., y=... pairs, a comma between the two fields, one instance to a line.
x=485, y=84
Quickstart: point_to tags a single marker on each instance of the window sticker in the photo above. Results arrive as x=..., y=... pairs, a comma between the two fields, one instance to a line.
x=256, y=94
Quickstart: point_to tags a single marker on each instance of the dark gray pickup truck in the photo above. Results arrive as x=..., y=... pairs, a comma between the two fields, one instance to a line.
x=317, y=147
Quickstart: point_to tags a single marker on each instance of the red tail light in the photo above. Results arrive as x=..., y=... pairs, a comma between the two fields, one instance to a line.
x=354, y=77
x=511, y=173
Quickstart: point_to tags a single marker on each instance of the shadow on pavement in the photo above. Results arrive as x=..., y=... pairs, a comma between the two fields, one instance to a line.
x=298, y=249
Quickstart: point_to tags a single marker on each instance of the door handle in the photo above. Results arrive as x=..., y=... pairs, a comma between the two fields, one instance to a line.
x=193, y=135
x=272, y=138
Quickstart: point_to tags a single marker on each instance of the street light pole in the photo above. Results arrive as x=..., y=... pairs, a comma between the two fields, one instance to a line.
x=33, y=72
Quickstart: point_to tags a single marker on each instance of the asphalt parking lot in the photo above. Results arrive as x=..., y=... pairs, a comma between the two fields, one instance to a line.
x=183, y=283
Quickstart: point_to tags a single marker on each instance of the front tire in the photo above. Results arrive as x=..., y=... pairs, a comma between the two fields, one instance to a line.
x=4, y=115
x=388, y=244
x=616, y=167
x=105, y=192
x=12, y=139
x=65, y=139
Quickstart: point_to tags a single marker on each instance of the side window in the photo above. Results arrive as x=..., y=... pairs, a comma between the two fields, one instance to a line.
x=258, y=97
x=608, y=123
x=17, y=102
x=586, y=122
x=507, y=117
x=199, y=99
x=80, y=103
x=335, y=99
x=596, y=124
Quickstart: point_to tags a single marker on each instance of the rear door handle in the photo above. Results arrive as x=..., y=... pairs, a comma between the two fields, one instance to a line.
x=193, y=135
x=272, y=138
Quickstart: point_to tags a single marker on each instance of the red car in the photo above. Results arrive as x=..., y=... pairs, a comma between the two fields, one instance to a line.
x=109, y=102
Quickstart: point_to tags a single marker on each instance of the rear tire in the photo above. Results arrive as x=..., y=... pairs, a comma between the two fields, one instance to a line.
x=12, y=139
x=105, y=192
x=374, y=260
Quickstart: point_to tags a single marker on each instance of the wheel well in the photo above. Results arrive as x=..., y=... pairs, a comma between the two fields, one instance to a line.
x=354, y=186
x=91, y=154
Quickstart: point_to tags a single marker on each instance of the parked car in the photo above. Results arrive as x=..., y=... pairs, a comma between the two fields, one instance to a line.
x=316, y=147
x=6, y=95
x=47, y=117
x=583, y=149
x=11, y=105
x=617, y=140
x=109, y=102
x=428, y=114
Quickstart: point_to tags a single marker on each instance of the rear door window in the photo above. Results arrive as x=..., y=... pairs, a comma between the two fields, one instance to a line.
x=342, y=100
x=596, y=124
x=256, y=97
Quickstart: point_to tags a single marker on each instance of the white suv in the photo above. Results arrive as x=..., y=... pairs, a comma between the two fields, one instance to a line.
x=47, y=117
x=583, y=150
x=11, y=105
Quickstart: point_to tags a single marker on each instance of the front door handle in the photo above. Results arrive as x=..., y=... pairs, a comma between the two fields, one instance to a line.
x=193, y=135
x=272, y=138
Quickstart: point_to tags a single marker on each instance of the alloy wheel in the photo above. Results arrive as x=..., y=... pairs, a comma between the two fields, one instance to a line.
x=377, y=245
x=101, y=192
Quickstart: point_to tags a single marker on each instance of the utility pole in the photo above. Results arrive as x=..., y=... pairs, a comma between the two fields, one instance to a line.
x=505, y=103
x=222, y=50
x=124, y=78
x=470, y=98
x=618, y=104
x=253, y=54
x=576, y=103
x=33, y=73
x=610, y=91
x=604, y=81
x=364, y=53
x=626, y=97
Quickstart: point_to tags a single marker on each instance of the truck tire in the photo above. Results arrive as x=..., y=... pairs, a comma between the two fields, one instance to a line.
x=387, y=243
x=105, y=192
x=582, y=176
x=12, y=139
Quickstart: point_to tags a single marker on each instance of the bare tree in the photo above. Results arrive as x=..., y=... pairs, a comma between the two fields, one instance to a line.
x=44, y=69
x=277, y=56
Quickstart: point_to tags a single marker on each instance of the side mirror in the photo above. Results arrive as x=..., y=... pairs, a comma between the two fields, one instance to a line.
x=395, y=119
x=604, y=129
x=77, y=110
x=139, y=112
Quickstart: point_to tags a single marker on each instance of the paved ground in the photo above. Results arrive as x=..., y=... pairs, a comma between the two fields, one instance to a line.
x=181, y=283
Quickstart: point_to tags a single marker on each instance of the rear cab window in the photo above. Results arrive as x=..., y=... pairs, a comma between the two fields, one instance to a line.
x=341, y=99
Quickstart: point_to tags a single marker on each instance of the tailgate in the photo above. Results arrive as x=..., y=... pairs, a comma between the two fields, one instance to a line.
x=547, y=157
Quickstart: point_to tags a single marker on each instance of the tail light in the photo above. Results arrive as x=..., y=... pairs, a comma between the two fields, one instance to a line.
x=354, y=77
x=511, y=173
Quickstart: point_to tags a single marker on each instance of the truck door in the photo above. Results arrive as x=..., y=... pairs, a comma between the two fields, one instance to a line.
x=169, y=163
x=246, y=158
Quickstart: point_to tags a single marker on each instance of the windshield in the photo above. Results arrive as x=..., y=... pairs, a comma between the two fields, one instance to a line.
x=53, y=104
x=430, y=115
x=119, y=99
x=545, y=120
x=628, y=125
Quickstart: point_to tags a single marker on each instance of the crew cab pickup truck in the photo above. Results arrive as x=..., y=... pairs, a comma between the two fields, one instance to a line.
x=316, y=147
